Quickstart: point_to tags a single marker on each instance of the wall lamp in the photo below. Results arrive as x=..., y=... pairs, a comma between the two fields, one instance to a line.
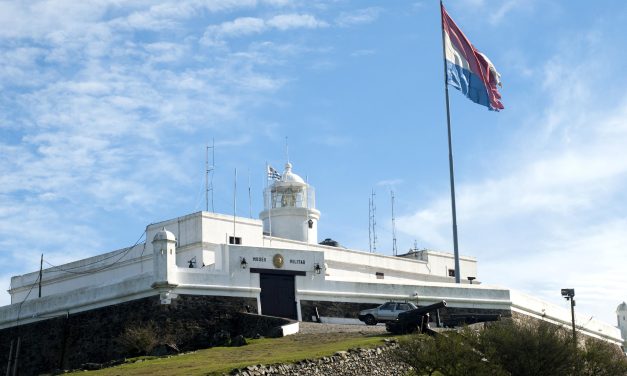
x=243, y=263
x=192, y=262
x=317, y=268
x=470, y=279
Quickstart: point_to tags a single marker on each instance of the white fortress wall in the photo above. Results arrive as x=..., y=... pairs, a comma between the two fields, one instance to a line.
x=77, y=300
x=93, y=271
x=540, y=309
x=422, y=292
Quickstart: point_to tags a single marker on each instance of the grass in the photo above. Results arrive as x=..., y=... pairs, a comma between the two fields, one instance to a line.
x=219, y=360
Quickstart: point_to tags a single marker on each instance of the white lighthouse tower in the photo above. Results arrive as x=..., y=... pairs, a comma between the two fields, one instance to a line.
x=290, y=208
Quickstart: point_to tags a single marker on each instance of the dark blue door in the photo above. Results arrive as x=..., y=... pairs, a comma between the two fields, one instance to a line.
x=278, y=297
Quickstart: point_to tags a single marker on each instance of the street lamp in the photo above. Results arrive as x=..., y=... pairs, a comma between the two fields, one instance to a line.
x=569, y=294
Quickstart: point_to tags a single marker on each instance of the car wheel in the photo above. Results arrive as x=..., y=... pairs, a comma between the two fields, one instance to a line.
x=370, y=320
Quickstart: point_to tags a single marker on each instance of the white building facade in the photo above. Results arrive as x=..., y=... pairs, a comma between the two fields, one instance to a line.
x=275, y=260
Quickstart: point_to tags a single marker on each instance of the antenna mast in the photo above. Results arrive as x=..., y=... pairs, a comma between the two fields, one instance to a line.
x=234, y=202
x=209, y=169
x=250, y=201
x=394, y=250
x=373, y=221
x=370, y=224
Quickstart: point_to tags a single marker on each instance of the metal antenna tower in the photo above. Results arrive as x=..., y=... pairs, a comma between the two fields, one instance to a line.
x=209, y=170
x=370, y=224
x=394, y=250
x=374, y=223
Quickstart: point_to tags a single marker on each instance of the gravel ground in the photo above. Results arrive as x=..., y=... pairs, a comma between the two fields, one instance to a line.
x=312, y=327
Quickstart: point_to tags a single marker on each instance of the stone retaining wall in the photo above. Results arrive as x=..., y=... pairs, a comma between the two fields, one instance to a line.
x=191, y=322
x=354, y=362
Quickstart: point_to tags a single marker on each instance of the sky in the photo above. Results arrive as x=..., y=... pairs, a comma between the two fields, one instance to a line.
x=107, y=107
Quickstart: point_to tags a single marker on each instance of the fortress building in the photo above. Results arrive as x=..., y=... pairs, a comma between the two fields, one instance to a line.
x=274, y=266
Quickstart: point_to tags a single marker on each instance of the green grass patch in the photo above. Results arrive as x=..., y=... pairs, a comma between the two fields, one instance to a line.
x=218, y=360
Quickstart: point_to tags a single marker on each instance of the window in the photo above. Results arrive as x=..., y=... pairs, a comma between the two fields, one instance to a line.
x=379, y=275
x=388, y=306
x=451, y=272
x=235, y=240
x=403, y=307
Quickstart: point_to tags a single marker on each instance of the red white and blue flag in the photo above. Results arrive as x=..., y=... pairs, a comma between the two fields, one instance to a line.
x=467, y=69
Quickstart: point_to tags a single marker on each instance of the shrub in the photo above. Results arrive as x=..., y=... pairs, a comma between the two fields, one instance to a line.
x=599, y=358
x=450, y=354
x=528, y=347
x=517, y=348
x=138, y=339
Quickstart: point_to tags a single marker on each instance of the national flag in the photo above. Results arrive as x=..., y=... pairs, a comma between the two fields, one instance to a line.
x=467, y=69
x=273, y=174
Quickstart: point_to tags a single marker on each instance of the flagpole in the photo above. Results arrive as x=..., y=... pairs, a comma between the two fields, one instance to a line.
x=450, y=155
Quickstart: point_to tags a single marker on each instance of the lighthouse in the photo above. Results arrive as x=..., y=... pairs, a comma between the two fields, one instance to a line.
x=290, y=208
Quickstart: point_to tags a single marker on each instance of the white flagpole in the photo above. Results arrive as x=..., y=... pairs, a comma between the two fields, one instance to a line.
x=234, y=202
x=450, y=156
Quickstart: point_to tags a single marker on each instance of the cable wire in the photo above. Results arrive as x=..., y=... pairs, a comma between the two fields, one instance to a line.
x=123, y=253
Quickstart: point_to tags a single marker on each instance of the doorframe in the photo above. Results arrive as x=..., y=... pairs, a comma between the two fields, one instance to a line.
x=281, y=272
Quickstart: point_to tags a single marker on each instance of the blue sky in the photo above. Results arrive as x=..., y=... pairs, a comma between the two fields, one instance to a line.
x=106, y=108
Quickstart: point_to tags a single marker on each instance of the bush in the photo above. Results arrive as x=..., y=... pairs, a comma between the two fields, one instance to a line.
x=517, y=348
x=450, y=354
x=528, y=347
x=138, y=339
x=599, y=358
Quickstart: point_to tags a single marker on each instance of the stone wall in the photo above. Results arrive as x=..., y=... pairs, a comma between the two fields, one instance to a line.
x=354, y=362
x=93, y=336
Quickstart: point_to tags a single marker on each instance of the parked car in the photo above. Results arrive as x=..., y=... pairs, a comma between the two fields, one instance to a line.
x=385, y=312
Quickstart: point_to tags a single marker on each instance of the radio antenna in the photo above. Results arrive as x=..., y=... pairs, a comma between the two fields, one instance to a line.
x=209, y=171
x=394, y=250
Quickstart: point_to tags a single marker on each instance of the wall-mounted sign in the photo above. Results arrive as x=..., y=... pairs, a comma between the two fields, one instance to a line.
x=277, y=260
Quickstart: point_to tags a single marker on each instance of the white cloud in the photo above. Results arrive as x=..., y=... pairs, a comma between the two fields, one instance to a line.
x=244, y=26
x=360, y=16
x=390, y=182
x=295, y=21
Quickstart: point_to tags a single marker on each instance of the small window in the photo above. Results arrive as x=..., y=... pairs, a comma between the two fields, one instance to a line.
x=235, y=240
x=379, y=275
x=451, y=272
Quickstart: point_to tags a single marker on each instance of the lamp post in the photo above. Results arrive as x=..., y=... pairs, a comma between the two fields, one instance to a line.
x=569, y=294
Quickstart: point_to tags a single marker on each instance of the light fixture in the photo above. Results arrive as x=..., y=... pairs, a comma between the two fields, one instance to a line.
x=192, y=262
x=243, y=263
x=471, y=279
x=317, y=268
x=569, y=294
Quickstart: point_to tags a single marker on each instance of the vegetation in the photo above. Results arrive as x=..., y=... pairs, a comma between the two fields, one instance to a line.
x=521, y=348
x=139, y=339
x=219, y=360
